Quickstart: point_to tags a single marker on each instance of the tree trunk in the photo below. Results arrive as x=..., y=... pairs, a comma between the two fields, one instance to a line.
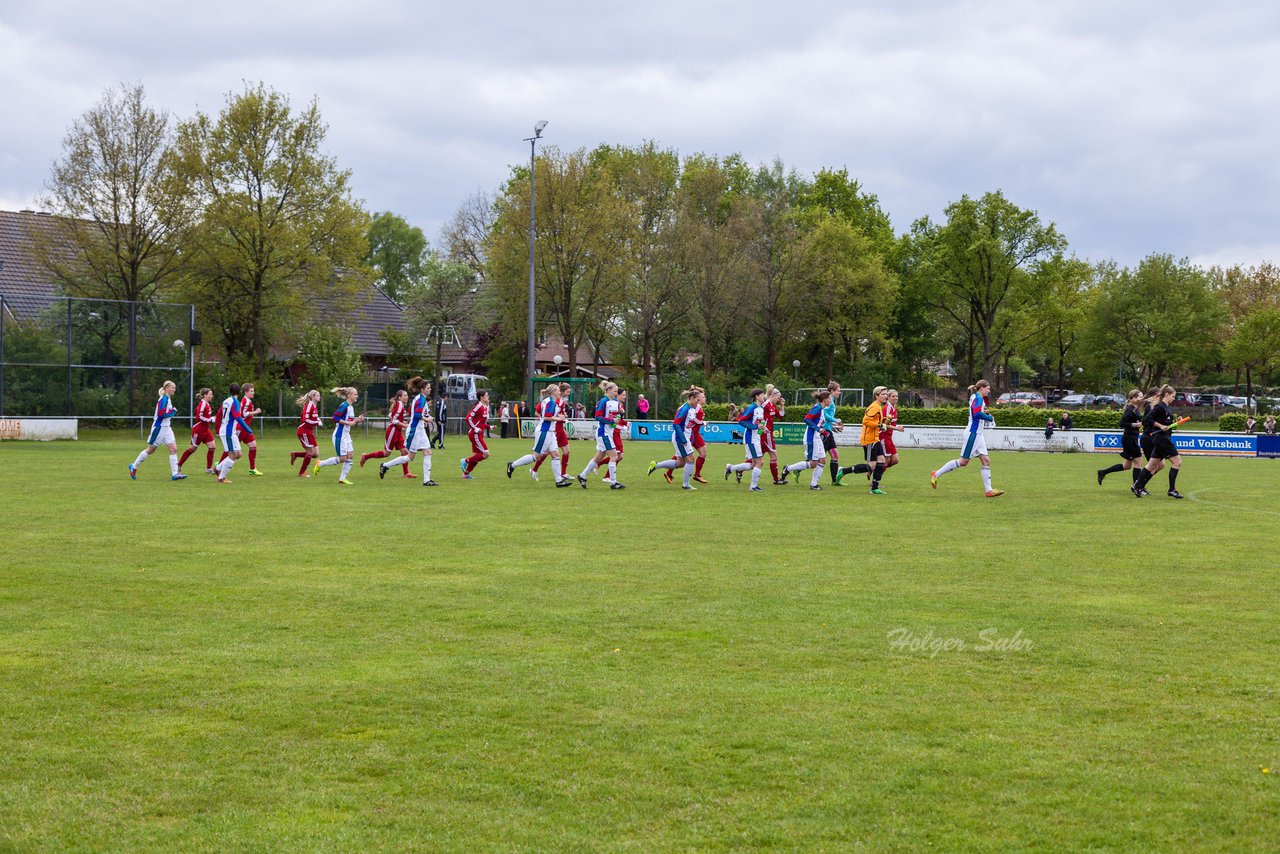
x=1248, y=388
x=706, y=356
x=646, y=343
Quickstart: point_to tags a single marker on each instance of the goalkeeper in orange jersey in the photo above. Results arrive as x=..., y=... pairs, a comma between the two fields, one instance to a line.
x=873, y=422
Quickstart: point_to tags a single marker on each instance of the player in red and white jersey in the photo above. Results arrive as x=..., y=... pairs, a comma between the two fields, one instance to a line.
x=307, y=424
x=774, y=407
x=248, y=411
x=477, y=426
x=393, y=435
x=618, y=427
x=562, y=435
x=890, y=426
x=202, y=429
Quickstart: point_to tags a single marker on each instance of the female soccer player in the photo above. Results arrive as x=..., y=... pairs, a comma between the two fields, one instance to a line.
x=393, y=436
x=248, y=410
x=344, y=418
x=830, y=426
x=872, y=448
x=161, y=434
x=752, y=423
x=202, y=429
x=1130, y=429
x=815, y=454
x=561, y=435
x=550, y=414
x=974, y=443
x=308, y=421
x=682, y=437
x=774, y=408
x=617, y=430
x=419, y=435
x=231, y=425
x=891, y=426
x=477, y=429
x=1162, y=420
x=606, y=416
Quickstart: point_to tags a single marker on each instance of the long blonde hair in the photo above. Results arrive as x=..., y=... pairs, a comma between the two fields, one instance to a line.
x=164, y=385
x=343, y=391
x=307, y=396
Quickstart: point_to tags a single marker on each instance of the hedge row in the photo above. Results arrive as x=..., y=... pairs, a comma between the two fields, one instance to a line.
x=955, y=416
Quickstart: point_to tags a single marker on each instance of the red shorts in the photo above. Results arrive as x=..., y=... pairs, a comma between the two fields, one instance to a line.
x=394, y=439
x=201, y=434
x=307, y=436
x=477, y=444
x=889, y=448
x=766, y=441
x=698, y=441
x=617, y=441
x=562, y=437
x=244, y=437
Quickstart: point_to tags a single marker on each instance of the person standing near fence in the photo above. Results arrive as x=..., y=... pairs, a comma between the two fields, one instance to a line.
x=442, y=419
x=161, y=434
x=202, y=429
x=642, y=408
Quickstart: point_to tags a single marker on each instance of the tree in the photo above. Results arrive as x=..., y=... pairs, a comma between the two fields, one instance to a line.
x=119, y=224
x=440, y=301
x=331, y=360
x=1255, y=346
x=467, y=233
x=781, y=238
x=395, y=253
x=279, y=227
x=1057, y=316
x=977, y=262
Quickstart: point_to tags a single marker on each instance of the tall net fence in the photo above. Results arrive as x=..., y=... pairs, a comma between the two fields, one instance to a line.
x=92, y=358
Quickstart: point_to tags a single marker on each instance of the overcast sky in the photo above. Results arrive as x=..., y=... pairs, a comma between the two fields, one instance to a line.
x=1137, y=127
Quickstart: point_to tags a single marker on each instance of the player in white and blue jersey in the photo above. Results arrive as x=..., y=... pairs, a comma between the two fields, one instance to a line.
x=975, y=442
x=161, y=434
x=682, y=436
x=544, y=438
x=418, y=434
x=815, y=455
x=344, y=418
x=751, y=420
x=608, y=411
x=229, y=419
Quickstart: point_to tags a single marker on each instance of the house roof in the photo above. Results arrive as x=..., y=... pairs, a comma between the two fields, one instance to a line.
x=364, y=315
x=26, y=285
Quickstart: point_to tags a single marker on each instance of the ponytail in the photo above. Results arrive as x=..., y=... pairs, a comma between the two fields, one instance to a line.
x=979, y=384
x=202, y=392
x=164, y=385
x=414, y=384
x=302, y=401
x=341, y=391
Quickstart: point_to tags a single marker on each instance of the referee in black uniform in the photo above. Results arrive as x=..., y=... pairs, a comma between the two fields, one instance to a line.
x=1131, y=428
x=1161, y=419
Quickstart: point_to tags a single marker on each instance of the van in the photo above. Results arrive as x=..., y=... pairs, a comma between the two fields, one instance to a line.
x=464, y=386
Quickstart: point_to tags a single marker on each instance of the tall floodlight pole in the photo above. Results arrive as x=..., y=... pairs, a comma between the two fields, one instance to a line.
x=533, y=142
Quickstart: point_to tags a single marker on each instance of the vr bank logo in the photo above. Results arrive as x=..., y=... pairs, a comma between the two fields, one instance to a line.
x=1106, y=441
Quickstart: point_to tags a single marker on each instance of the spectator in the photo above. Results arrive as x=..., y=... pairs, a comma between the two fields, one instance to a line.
x=733, y=412
x=504, y=418
x=1269, y=426
x=1064, y=423
x=1048, y=429
x=1250, y=424
x=582, y=411
x=642, y=408
x=442, y=419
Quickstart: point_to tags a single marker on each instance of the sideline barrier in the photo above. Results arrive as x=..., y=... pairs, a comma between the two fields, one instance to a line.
x=39, y=429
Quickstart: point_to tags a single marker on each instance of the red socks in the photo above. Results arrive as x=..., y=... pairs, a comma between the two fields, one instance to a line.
x=208, y=463
x=538, y=463
x=472, y=462
x=188, y=452
x=773, y=467
x=697, y=470
x=253, y=458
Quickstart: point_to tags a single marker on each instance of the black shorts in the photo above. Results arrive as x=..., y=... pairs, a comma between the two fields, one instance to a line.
x=829, y=441
x=1162, y=447
x=1144, y=445
x=1129, y=448
x=872, y=451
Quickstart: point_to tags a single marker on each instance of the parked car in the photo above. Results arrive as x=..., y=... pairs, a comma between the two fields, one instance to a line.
x=1056, y=394
x=1212, y=400
x=1020, y=398
x=1077, y=400
x=1110, y=401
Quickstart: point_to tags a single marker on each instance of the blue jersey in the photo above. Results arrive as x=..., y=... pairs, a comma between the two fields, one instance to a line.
x=813, y=420
x=164, y=411
x=751, y=416
x=978, y=416
x=339, y=416
x=231, y=417
x=549, y=408
x=829, y=415
x=420, y=411
x=682, y=417
x=605, y=409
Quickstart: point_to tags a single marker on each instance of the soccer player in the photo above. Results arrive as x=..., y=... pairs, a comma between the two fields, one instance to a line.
x=161, y=434
x=617, y=430
x=682, y=438
x=830, y=426
x=1161, y=420
x=419, y=438
x=873, y=421
x=231, y=426
x=561, y=434
x=975, y=442
x=393, y=436
x=248, y=411
x=477, y=428
x=550, y=414
x=751, y=420
x=344, y=418
x=1130, y=429
x=308, y=421
x=815, y=453
x=606, y=415
x=202, y=429
x=890, y=427
x=774, y=408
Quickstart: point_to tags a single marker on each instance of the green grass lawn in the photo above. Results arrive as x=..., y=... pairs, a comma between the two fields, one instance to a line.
x=287, y=664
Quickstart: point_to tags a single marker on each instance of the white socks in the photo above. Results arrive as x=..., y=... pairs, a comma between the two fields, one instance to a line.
x=740, y=467
x=755, y=477
x=346, y=468
x=557, y=466
x=951, y=465
x=224, y=467
x=591, y=466
x=986, y=478
x=398, y=461
x=613, y=472
x=797, y=467
x=426, y=467
x=817, y=476
x=526, y=460
x=173, y=464
x=142, y=456
x=668, y=464
x=688, y=472
x=332, y=461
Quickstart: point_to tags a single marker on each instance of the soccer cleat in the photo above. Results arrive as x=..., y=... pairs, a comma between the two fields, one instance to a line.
x=1100, y=476
x=533, y=474
x=994, y=493
x=345, y=482
x=933, y=479
x=756, y=489
x=670, y=477
x=382, y=471
x=779, y=482
x=462, y=464
x=466, y=475
x=839, y=476
x=690, y=488
x=181, y=476
x=255, y=472
x=783, y=480
x=616, y=485
x=582, y=480
x=563, y=482
x=510, y=468
x=653, y=466
x=212, y=471
x=316, y=468
x=699, y=478
x=1173, y=493
x=363, y=458
x=133, y=472
x=409, y=476
x=815, y=487
x=878, y=491
x=430, y=483
x=728, y=470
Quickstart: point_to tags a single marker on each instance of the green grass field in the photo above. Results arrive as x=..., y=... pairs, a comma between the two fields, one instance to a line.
x=286, y=664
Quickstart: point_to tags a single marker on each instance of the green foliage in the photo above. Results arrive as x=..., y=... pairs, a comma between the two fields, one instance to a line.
x=395, y=253
x=331, y=360
x=1232, y=422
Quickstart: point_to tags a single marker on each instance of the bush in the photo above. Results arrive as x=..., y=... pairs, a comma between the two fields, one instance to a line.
x=1231, y=422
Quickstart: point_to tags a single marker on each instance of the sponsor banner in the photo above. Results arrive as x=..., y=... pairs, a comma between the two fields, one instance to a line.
x=1268, y=446
x=998, y=439
x=38, y=429
x=724, y=432
x=576, y=429
x=1192, y=444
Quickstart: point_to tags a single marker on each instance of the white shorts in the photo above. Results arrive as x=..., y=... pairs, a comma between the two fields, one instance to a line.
x=683, y=443
x=230, y=444
x=751, y=445
x=420, y=440
x=605, y=442
x=161, y=435
x=975, y=445
x=813, y=449
x=342, y=444
x=545, y=442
